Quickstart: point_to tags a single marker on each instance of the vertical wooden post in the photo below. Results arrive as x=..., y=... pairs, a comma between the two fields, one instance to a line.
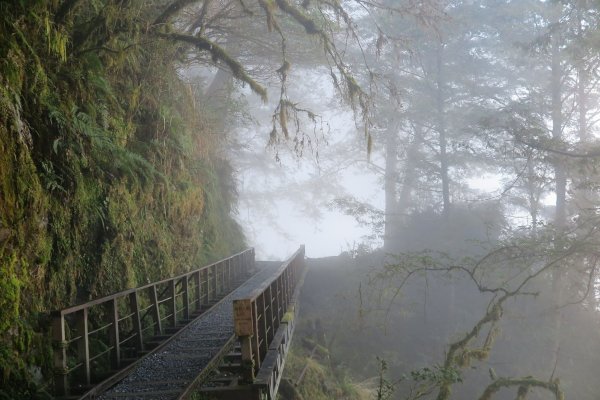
x=229, y=275
x=173, y=303
x=198, y=282
x=206, y=283
x=269, y=315
x=255, y=343
x=186, y=296
x=83, y=344
x=61, y=381
x=278, y=300
x=262, y=325
x=113, y=313
x=155, y=310
x=283, y=293
x=221, y=269
x=137, y=323
x=215, y=283
x=244, y=329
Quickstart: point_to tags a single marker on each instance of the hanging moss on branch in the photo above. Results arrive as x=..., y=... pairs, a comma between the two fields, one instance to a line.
x=220, y=55
x=523, y=385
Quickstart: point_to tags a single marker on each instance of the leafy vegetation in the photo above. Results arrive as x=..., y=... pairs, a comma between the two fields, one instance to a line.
x=108, y=177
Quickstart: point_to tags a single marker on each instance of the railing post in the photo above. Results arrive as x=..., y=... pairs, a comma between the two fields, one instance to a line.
x=206, y=283
x=269, y=314
x=83, y=344
x=173, y=303
x=244, y=329
x=221, y=273
x=262, y=326
x=229, y=284
x=278, y=300
x=114, y=333
x=215, y=284
x=155, y=310
x=137, y=323
x=186, y=296
x=255, y=338
x=198, y=282
x=284, y=290
x=61, y=381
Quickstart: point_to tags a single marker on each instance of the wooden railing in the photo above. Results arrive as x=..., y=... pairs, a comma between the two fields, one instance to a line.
x=94, y=339
x=258, y=316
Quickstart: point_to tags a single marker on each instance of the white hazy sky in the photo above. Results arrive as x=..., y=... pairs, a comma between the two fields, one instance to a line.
x=278, y=209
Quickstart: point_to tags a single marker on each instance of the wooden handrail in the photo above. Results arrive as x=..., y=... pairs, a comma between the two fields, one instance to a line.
x=200, y=286
x=257, y=316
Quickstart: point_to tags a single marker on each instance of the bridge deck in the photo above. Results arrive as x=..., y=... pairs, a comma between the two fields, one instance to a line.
x=167, y=373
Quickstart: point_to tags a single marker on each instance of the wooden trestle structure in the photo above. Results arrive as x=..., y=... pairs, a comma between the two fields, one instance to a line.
x=98, y=343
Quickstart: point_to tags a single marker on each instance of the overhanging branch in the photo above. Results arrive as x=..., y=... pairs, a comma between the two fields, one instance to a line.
x=219, y=54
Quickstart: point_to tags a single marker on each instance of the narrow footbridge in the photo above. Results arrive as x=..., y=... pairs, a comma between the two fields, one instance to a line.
x=219, y=332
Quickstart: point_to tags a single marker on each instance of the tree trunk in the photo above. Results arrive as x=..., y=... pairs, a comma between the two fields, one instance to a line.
x=560, y=189
x=441, y=126
x=410, y=171
x=391, y=187
x=557, y=122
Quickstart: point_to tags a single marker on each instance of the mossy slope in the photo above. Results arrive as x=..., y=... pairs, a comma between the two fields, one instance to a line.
x=107, y=178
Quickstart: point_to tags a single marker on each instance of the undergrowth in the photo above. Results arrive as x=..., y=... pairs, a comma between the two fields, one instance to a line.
x=107, y=178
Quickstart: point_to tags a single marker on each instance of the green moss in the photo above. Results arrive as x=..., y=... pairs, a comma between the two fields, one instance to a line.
x=319, y=381
x=106, y=175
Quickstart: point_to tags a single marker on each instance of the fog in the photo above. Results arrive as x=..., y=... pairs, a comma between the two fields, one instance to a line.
x=449, y=207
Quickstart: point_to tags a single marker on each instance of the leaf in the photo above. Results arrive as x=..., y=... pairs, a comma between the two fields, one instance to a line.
x=55, y=145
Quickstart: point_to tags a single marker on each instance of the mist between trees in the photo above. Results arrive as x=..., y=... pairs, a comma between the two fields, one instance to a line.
x=131, y=131
x=465, y=289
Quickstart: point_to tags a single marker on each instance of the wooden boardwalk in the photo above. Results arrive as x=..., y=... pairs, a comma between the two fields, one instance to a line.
x=203, y=323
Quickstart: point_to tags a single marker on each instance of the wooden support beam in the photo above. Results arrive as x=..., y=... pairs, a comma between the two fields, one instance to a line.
x=244, y=328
